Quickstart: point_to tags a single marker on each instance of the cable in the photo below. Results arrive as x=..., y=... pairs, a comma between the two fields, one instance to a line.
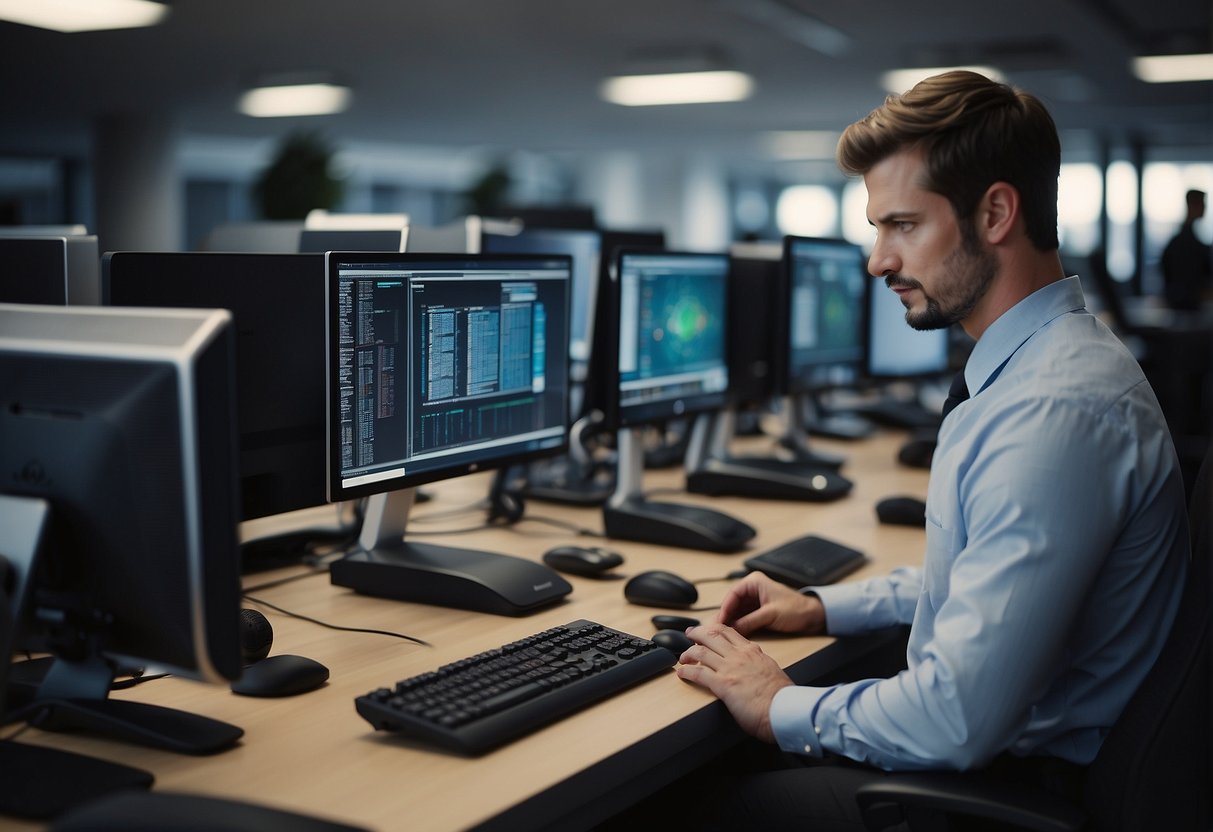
x=288, y=579
x=317, y=621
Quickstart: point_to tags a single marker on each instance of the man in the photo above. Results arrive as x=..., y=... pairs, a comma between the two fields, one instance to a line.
x=1187, y=269
x=1056, y=532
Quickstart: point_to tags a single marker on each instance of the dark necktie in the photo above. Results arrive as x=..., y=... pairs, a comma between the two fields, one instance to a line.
x=957, y=393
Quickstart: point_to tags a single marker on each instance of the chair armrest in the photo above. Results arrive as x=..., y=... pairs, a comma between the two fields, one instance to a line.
x=882, y=804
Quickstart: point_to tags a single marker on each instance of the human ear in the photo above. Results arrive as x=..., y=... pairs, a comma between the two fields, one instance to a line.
x=998, y=212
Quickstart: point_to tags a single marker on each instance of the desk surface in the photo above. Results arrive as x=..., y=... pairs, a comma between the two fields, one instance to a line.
x=313, y=753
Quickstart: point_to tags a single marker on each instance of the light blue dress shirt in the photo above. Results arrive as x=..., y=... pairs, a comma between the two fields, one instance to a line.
x=1056, y=548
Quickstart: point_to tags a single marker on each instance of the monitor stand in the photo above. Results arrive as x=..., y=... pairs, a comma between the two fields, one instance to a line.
x=905, y=412
x=794, y=442
x=845, y=425
x=712, y=470
x=385, y=565
x=566, y=480
x=39, y=782
x=627, y=515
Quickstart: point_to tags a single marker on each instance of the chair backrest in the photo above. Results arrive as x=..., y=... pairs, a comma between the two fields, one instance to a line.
x=1153, y=771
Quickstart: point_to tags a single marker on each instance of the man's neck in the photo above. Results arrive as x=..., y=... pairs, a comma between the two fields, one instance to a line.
x=1020, y=274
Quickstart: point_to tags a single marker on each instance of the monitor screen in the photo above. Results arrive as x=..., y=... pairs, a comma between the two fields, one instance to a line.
x=277, y=301
x=582, y=246
x=443, y=365
x=822, y=333
x=895, y=349
x=122, y=422
x=54, y=270
x=670, y=328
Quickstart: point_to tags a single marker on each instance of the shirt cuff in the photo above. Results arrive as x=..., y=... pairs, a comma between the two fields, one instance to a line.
x=791, y=716
x=845, y=613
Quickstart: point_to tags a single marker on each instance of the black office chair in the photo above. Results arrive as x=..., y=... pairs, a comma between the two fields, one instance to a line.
x=1153, y=770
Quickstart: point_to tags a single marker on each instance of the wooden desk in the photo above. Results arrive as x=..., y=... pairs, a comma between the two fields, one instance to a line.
x=313, y=753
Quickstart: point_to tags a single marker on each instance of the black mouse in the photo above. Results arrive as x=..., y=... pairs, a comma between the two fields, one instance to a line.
x=902, y=511
x=918, y=449
x=587, y=561
x=673, y=622
x=676, y=641
x=657, y=588
x=283, y=675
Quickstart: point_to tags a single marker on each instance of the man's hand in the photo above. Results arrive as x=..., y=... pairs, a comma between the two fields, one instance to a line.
x=759, y=602
x=737, y=672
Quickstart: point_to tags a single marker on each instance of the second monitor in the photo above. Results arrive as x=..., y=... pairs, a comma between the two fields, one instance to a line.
x=666, y=319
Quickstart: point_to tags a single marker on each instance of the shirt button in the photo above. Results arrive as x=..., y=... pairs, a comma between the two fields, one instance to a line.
x=808, y=749
x=817, y=728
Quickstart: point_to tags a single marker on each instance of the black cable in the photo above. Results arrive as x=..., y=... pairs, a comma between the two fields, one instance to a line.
x=317, y=621
x=288, y=579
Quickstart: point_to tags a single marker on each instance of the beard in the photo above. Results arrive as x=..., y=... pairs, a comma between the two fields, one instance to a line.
x=965, y=276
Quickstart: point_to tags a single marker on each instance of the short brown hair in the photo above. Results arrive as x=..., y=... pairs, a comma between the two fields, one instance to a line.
x=974, y=132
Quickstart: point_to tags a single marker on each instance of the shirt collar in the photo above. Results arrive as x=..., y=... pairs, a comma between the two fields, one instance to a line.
x=1015, y=326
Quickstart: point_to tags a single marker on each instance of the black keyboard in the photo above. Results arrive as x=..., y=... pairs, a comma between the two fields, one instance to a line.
x=808, y=561
x=486, y=700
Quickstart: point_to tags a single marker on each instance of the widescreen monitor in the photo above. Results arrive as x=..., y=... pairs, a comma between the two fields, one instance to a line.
x=54, y=270
x=895, y=350
x=669, y=324
x=120, y=422
x=820, y=335
x=277, y=301
x=440, y=366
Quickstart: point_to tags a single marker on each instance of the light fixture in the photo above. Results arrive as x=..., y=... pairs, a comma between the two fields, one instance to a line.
x=83, y=15
x=703, y=87
x=1165, y=69
x=900, y=80
x=799, y=145
x=313, y=99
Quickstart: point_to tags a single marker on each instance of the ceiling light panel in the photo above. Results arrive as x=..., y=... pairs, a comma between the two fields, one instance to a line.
x=83, y=15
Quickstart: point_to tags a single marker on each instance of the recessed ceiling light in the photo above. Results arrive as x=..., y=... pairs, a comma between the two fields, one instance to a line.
x=295, y=100
x=83, y=15
x=678, y=88
x=1163, y=69
x=900, y=80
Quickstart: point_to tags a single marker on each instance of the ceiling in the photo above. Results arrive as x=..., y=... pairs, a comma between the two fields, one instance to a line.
x=524, y=74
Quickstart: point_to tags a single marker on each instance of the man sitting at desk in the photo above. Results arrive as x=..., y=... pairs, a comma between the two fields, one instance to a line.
x=1057, y=540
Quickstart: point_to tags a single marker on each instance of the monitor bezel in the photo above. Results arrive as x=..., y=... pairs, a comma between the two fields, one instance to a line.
x=336, y=490
x=617, y=416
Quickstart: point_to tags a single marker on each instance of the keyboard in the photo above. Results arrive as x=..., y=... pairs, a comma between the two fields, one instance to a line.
x=486, y=700
x=808, y=561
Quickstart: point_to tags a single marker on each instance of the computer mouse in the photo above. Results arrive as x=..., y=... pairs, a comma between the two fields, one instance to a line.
x=676, y=641
x=674, y=622
x=902, y=511
x=657, y=588
x=283, y=675
x=588, y=561
x=159, y=811
x=918, y=450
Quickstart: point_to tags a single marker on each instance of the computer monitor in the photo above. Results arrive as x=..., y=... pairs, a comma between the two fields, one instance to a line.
x=55, y=270
x=119, y=425
x=755, y=280
x=582, y=245
x=440, y=366
x=895, y=350
x=319, y=240
x=666, y=324
x=277, y=301
x=821, y=336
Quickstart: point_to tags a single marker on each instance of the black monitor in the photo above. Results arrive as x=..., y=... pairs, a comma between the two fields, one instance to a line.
x=666, y=322
x=119, y=425
x=55, y=270
x=755, y=280
x=821, y=335
x=277, y=301
x=440, y=366
x=320, y=240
